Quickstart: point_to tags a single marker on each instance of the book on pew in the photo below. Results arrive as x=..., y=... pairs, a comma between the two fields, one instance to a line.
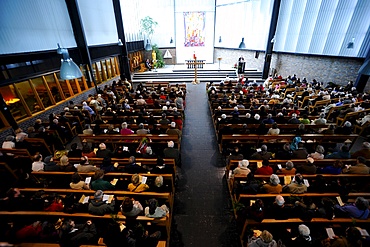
x=143, y=179
x=340, y=202
x=87, y=180
x=279, y=166
x=305, y=181
x=363, y=232
x=330, y=232
x=107, y=198
x=125, y=149
x=287, y=180
x=259, y=164
x=84, y=199
x=114, y=181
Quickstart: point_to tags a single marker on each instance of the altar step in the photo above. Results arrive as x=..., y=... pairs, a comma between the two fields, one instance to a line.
x=188, y=75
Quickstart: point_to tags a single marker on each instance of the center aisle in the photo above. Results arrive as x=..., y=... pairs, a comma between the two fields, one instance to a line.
x=203, y=211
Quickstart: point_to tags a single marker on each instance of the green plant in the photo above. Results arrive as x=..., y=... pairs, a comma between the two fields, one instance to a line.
x=147, y=25
x=160, y=62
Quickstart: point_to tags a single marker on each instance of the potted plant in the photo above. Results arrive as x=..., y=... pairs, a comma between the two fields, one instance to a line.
x=147, y=25
x=159, y=63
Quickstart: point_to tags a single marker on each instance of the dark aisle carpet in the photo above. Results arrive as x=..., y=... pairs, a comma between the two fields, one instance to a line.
x=203, y=211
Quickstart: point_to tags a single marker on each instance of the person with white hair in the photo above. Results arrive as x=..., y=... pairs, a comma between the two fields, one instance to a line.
x=171, y=152
x=87, y=108
x=242, y=168
x=103, y=151
x=294, y=119
x=274, y=186
x=304, y=238
x=125, y=130
x=288, y=169
x=173, y=130
x=318, y=154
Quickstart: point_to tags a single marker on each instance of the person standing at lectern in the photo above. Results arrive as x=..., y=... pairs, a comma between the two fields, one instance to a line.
x=148, y=64
x=241, y=65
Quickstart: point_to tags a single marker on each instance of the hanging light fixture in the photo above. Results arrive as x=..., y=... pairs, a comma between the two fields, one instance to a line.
x=351, y=44
x=242, y=44
x=68, y=70
x=148, y=46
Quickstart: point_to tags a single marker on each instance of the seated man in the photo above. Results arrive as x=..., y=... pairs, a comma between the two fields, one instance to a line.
x=171, y=152
x=148, y=64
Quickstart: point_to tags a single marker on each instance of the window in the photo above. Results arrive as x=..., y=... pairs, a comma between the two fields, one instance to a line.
x=13, y=101
x=28, y=95
x=43, y=93
x=54, y=88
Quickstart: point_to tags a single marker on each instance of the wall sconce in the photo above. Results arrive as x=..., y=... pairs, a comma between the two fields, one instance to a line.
x=242, y=44
x=148, y=46
x=68, y=70
x=351, y=44
x=171, y=41
x=219, y=40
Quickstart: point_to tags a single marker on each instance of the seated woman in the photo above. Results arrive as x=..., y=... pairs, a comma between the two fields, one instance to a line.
x=154, y=211
x=136, y=184
x=273, y=186
x=77, y=182
x=131, y=208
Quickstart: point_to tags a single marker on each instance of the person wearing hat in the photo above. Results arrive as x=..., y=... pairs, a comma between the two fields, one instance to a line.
x=274, y=186
x=364, y=151
x=99, y=207
x=136, y=184
x=171, y=152
x=174, y=131
x=242, y=168
x=264, y=240
x=359, y=168
x=99, y=183
x=296, y=186
x=288, y=170
x=318, y=154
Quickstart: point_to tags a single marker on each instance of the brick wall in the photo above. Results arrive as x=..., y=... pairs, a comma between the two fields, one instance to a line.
x=44, y=115
x=322, y=68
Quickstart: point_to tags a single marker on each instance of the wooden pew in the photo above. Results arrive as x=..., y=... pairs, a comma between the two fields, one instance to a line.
x=168, y=178
x=258, y=140
x=319, y=104
x=115, y=140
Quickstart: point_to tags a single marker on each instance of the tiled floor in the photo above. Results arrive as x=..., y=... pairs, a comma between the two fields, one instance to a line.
x=202, y=214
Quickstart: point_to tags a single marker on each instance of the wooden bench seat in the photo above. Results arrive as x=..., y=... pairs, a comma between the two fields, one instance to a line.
x=258, y=140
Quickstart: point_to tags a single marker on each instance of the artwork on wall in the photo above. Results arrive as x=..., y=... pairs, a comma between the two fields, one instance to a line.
x=194, y=23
